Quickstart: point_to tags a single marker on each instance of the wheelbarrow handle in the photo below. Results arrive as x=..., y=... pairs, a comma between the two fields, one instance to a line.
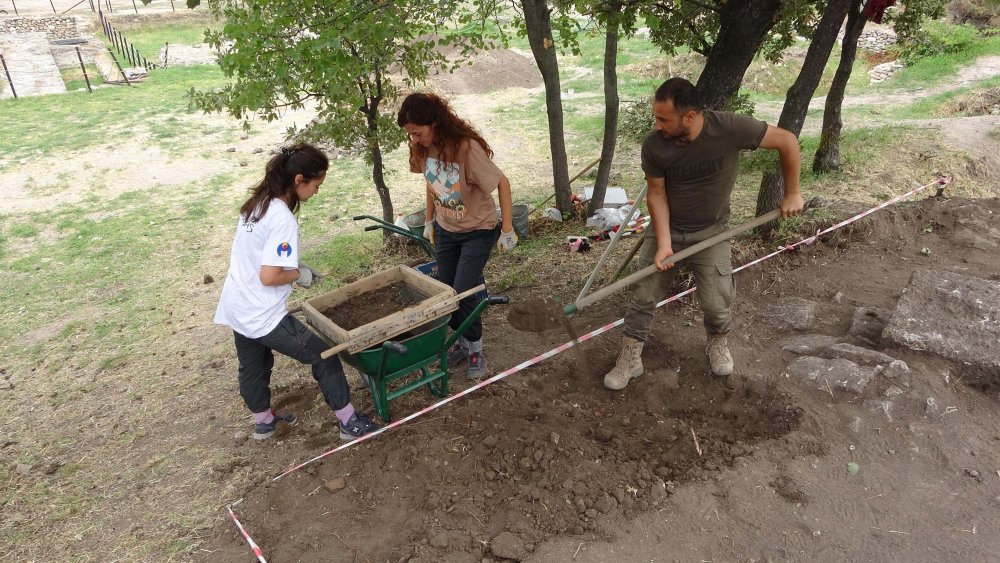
x=491, y=300
x=499, y=299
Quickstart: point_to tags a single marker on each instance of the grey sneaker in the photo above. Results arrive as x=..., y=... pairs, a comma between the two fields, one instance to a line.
x=477, y=366
x=357, y=426
x=264, y=431
x=459, y=352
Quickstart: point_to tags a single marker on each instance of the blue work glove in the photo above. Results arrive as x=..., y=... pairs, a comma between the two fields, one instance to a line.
x=507, y=241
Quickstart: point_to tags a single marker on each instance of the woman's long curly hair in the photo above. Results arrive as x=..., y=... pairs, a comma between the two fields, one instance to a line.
x=279, y=179
x=450, y=130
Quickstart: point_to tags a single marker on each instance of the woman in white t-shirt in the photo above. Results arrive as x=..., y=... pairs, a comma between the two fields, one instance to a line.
x=263, y=265
x=461, y=218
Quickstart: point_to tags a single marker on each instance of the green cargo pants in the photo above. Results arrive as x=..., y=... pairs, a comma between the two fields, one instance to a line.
x=713, y=273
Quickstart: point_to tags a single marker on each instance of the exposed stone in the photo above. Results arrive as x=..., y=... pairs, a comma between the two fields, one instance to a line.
x=949, y=314
x=508, y=546
x=809, y=344
x=898, y=372
x=893, y=391
x=240, y=436
x=931, y=407
x=791, y=313
x=856, y=354
x=832, y=374
x=334, y=485
x=868, y=323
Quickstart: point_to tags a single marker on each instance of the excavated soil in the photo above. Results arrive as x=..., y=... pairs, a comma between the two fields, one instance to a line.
x=371, y=306
x=547, y=465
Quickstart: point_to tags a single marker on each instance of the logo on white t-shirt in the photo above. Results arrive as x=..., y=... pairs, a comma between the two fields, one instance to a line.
x=285, y=248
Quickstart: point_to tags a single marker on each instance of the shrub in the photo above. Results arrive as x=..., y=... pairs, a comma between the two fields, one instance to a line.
x=977, y=13
x=937, y=38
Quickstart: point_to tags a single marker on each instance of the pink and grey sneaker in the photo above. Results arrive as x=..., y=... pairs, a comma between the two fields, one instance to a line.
x=477, y=366
x=263, y=431
x=459, y=352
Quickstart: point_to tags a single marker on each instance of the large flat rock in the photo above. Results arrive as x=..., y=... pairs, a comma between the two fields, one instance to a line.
x=832, y=374
x=951, y=315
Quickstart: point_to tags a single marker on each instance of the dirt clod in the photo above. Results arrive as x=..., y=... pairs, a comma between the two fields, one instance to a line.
x=334, y=485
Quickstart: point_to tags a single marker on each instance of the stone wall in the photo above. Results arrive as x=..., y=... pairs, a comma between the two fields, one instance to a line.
x=54, y=27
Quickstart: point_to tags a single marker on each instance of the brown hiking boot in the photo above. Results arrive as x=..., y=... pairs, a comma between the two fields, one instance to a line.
x=718, y=355
x=629, y=365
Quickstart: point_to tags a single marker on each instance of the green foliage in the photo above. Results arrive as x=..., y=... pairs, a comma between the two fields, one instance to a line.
x=907, y=23
x=337, y=54
x=937, y=38
x=678, y=23
x=741, y=103
x=636, y=119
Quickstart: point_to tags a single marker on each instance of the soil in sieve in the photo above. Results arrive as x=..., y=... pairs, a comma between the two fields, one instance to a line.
x=372, y=306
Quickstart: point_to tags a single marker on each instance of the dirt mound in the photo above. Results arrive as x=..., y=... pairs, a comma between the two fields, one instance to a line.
x=496, y=69
x=535, y=462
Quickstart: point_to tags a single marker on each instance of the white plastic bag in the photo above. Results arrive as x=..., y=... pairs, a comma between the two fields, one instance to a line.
x=606, y=219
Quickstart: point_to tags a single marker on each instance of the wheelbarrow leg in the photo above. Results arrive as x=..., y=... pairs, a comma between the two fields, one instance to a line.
x=439, y=386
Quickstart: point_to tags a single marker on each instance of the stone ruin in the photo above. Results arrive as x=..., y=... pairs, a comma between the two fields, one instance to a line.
x=36, y=49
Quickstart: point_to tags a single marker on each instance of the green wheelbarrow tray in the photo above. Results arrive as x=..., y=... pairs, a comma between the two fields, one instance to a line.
x=419, y=349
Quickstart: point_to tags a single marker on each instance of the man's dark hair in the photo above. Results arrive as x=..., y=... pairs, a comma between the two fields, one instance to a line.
x=682, y=93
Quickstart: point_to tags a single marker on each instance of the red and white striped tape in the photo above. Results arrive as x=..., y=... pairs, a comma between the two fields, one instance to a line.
x=253, y=545
x=566, y=346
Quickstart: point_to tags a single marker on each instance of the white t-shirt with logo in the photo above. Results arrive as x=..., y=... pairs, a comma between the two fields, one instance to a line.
x=248, y=306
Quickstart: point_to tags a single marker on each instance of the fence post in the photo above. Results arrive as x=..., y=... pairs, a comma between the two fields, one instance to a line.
x=120, y=69
x=166, y=53
x=172, y=5
x=7, y=72
x=84, y=69
x=109, y=6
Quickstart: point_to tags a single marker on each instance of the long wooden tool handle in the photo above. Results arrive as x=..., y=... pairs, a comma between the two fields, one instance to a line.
x=336, y=349
x=629, y=280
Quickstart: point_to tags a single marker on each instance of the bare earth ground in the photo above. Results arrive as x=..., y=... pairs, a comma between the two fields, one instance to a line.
x=155, y=463
x=549, y=466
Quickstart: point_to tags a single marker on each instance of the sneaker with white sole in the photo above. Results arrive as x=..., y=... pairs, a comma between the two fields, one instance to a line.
x=265, y=430
x=357, y=426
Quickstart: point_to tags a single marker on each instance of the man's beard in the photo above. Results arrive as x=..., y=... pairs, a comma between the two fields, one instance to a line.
x=681, y=137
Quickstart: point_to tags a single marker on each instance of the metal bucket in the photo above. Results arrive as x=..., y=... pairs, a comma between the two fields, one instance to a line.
x=415, y=222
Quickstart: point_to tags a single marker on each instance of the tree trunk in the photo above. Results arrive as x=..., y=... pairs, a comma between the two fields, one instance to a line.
x=743, y=24
x=539, y=28
x=378, y=168
x=793, y=113
x=828, y=154
x=611, y=104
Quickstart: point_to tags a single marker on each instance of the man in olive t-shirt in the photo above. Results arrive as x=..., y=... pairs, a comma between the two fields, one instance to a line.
x=690, y=160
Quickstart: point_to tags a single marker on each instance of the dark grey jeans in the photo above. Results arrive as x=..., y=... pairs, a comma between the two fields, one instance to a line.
x=461, y=258
x=295, y=340
x=713, y=273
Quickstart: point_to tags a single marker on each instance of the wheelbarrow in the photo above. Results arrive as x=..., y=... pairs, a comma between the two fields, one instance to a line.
x=418, y=350
x=427, y=268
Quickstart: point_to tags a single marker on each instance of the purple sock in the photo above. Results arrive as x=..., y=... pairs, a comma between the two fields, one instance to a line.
x=345, y=414
x=265, y=417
